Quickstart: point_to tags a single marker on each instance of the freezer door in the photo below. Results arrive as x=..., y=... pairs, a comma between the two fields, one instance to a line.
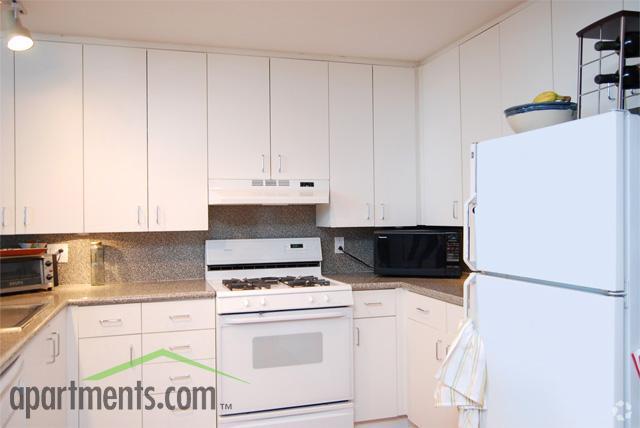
x=550, y=203
x=554, y=355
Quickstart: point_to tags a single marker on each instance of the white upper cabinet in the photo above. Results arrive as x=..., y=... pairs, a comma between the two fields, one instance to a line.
x=299, y=119
x=238, y=117
x=632, y=5
x=7, y=170
x=115, y=139
x=480, y=102
x=440, y=172
x=569, y=18
x=395, y=143
x=48, y=135
x=177, y=140
x=525, y=56
x=351, y=147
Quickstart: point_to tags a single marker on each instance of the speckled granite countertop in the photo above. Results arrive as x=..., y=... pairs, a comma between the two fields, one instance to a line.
x=84, y=295
x=445, y=289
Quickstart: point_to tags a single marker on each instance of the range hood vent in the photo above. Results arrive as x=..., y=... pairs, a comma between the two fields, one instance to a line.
x=268, y=192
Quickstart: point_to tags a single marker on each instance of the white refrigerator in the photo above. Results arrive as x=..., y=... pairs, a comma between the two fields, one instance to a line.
x=552, y=234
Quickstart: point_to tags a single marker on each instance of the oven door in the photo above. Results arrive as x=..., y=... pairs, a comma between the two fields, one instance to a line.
x=284, y=359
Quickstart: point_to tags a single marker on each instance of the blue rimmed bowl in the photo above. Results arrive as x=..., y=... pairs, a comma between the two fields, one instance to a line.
x=527, y=117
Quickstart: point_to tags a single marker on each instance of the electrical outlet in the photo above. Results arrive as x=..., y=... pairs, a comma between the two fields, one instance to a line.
x=64, y=256
x=339, y=242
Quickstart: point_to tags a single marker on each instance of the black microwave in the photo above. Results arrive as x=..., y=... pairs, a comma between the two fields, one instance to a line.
x=418, y=252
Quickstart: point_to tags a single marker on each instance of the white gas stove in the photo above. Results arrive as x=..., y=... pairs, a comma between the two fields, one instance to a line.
x=258, y=275
x=285, y=330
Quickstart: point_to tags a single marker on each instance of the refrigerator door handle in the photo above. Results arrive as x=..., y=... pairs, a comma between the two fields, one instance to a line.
x=467, y=232
x=466, y=299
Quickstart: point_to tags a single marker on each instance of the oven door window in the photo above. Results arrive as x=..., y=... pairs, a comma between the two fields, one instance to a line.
x=20, y=273
x=287, y=350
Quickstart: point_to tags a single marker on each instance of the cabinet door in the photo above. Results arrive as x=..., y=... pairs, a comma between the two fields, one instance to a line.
x=46, y=366
x=568, y=18
x=480, y=103
x=238, y=117
x=351, y=147
x=299, y=119
x=48, y=133
x=441, y=170
x=7, y=152
x=394, y=133
x=177, y=115
x=375, y=365
x=425, y=353
x=525, y=56
x=101, y=353
x=115, y=139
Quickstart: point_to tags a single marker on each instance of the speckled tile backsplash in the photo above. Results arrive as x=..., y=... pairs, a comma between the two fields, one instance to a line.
x=152, y=256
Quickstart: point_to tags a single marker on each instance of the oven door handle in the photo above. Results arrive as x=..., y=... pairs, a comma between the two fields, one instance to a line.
x=281, y=318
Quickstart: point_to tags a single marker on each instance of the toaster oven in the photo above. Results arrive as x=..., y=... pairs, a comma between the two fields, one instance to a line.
x=27, y=273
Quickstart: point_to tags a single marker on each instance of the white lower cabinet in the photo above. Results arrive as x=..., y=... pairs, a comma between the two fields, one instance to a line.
x=112, y=335
x=45, y=365
x=431, y=328
x=375, y=353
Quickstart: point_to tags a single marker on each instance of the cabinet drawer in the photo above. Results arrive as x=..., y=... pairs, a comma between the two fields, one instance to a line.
x=374, y=303
x=167, y=418
x=180, y=315
x=195, y=344
x=178, y=374
x=108, y=320
x=455, y=314
x=426, y=310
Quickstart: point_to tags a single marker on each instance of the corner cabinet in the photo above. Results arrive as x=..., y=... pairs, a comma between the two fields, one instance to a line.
x=299, y=119
x=441, y=171
x=395, y=144
x=48, y=139
x=7, y=147
x=431, y=328
x=351, y=148
x=177, y=140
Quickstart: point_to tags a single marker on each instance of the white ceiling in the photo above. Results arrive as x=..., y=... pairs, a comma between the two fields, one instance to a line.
x=400, y=30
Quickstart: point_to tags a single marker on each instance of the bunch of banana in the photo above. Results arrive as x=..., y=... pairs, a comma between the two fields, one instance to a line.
x=549, y=97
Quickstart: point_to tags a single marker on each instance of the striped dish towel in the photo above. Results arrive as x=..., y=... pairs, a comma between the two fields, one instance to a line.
x=463, y=377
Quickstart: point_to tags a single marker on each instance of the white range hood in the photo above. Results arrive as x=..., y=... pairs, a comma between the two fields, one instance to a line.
x=268, y=192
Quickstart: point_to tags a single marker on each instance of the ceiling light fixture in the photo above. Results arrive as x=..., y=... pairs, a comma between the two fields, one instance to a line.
x=17, y=35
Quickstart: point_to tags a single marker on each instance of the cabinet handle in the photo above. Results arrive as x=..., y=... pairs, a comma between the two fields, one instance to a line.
x=438, y=342
x=56, y=346
x=179, y=378
x=609, y=93
x=157, y=214
x=181, y=317
x=139, y=215
x=373, y=303
x=262, y=162
x=131, y=355
x=179, y=348
x=357, y=336
x=424, y=311
x=25, y=216
x=280, y=163
x=111, y=322
x=368, y=211
x=382, y=212
x=53, y=350
x=4, y=209
x=455, y=210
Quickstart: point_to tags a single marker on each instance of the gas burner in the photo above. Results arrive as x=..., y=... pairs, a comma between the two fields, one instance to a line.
x=234, y=284
x=304, y=281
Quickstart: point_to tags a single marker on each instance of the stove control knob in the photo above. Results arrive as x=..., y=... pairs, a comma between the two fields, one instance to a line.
x=245, y=302
x=326, y=297
x=310, y=299
x=263, y=302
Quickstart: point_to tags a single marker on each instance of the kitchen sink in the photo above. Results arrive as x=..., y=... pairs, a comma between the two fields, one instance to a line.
x=15, y=317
